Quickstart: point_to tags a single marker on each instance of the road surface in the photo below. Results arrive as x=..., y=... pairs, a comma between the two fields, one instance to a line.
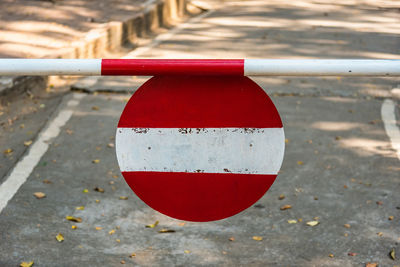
x=341, y=167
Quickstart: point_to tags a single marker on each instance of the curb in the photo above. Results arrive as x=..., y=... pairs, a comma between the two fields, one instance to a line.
x=112, y=36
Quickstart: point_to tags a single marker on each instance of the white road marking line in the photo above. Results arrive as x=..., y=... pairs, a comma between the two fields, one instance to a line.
x=208, y=150
x=25, y=165
x=389, y=120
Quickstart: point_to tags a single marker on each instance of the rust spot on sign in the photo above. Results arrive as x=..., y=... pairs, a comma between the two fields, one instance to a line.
x=199, y=130
x=185, y=130
x=249, y=130
x=140, y=130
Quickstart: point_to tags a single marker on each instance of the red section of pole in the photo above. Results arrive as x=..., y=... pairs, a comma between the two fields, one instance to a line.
x=152, y=67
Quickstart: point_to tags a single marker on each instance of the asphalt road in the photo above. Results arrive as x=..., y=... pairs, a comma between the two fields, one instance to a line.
x=340, y=167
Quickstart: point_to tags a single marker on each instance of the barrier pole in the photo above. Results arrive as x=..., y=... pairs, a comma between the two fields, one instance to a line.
x=246, y=67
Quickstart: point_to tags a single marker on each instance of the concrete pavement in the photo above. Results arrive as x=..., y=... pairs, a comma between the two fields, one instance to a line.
x=340, y=168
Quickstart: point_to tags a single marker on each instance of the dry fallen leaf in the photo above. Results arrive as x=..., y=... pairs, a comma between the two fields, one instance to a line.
x=331, y=255
x=28, y=143
x=287, y=141
x=132, y=255
x=285, y=207
x=73, y=219
x=118, y=240
x=74, y=227
x=152, y=225
x=45, y=181
x=257, y=238
x=95, y=161
x=95, y=108
x=8, y=151
x=110, y=145
x=181, y=224
x=26, y=264
x=391, y=218
x=122, y=262
x=380, y=234
x=231, y=238
x=347, y=225
x=281, y=196
x=111, y=232
x=123, y=197
x=39, y=195
x=346, y=234
x=80, y=208
x=352, y=254
x=338, y=137
x=379, y=203
x=60, y=238
x=69, y=132
x=98, y=189
x=313, y=223
x=292, y=221
x=300, y=162
x=371, y=264
x=392, y=254
x=165, y=230
x=97, y=201
x=98, y=228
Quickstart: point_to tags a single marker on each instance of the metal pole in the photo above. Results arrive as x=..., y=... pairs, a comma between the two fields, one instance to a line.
x=247, y=67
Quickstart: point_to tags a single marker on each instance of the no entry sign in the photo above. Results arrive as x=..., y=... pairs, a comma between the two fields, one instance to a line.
x=200, y=148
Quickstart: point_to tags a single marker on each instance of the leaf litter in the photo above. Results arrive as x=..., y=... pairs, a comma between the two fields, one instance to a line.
x=165, y=230
x=152, y=225
x=286, y=207
x=60, y=238
x=313, y=223
x=73, y=219
x=39, y=195
x=26, y=264
x=98, y=189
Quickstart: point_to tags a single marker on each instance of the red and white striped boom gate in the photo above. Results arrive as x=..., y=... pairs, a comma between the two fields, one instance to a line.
x=246, y=67
x=199, y=141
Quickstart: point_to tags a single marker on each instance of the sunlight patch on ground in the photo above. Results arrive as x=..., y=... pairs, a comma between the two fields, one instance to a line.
x=335, y=126
x=368, y=147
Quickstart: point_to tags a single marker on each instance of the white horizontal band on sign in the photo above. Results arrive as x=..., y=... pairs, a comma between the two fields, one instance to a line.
x=208, y=150
x=321, y=67
x=50, y=66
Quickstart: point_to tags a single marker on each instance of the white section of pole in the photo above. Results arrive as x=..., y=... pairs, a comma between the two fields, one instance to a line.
x=12, y=66
x=321, y=67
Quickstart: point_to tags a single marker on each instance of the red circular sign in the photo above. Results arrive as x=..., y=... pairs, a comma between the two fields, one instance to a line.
x=200, y=148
